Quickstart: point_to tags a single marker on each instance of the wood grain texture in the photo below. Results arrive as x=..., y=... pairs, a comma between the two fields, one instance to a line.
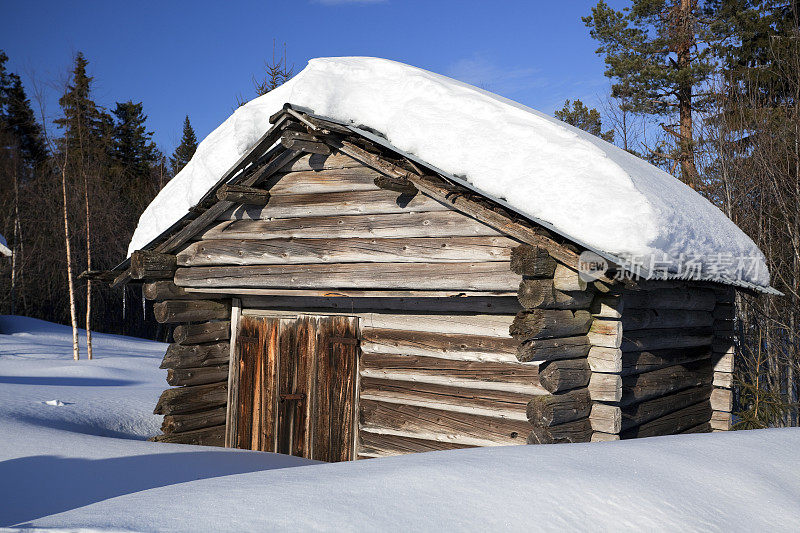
x=192, y=399
x=352, y=250
x=431, y=276
x=400, y=225
x=380, y=444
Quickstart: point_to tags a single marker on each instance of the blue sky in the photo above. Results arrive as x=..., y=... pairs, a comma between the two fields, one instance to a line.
x=194, y=58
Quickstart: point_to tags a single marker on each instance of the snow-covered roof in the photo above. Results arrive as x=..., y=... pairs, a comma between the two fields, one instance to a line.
x=583, y=187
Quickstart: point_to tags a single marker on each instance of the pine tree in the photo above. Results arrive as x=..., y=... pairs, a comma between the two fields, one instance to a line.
x=17, y=119
x=584, y=118
x=81, y=120
x=133, y=150
x=185, y=150
x=656, y=53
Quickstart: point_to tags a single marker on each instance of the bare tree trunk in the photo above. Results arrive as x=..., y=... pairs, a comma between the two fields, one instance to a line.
x=70, y=282
x=17, y=236
x=686, y=149
x=88, y=268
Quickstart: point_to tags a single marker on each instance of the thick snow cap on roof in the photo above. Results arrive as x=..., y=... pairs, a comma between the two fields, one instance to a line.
x=586, y=188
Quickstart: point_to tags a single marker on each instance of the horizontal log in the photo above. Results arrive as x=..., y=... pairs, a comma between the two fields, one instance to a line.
x=165, y=290
x=291, y=141
x=606, y=418
x=488, y=372
x=720, y=421
x=430, y=276
x=575, y=431
x=553, y=349
x=672, y=423
x=449, y=426
x=659, y=339
x=555, y=409
x=172, y=311
x=532, y=261
x=647, y=385
x=722, y=400
x=399, y=185
x=196, y=355
x=197, y=376
x=504, y=404
x=544, y=323
x=202, y=333
x=400, y=225
x=671, y=298
x=723, y=380
x=723, y=311
x=567, y=280
x=356, y=250
x=635, y=319
x=380, y=444
x=722, y=362
x=212, y=436
x=492, y=325
x=614, y=419
x=540, y=293
x=437, y=304
x=607, y=306
x=192, y=399
x=485, y=348
x=240, y=194
x=700, y=428
x=602, y=328
x=147, y=264
x=377, y=202
x=614, y=360
x=193, y=421
x=317, y=162
x=599, y=436
x=565, y=374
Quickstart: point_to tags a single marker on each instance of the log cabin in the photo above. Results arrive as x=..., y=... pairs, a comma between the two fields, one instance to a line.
x=337, y=298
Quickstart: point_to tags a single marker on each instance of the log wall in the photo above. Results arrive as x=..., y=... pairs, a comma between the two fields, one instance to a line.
x=651, y=358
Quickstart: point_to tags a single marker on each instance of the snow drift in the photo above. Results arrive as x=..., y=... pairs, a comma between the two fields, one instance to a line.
x=585, y=187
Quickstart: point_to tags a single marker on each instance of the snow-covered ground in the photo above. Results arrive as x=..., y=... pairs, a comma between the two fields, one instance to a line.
x=84, y=464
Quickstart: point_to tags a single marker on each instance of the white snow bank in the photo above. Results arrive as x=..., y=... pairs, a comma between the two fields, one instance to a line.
x=79, y=466
x=4, y=250
x=585, y=187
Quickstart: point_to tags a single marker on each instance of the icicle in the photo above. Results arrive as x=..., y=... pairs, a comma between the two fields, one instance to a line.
x=124, y=301
x=144, y=306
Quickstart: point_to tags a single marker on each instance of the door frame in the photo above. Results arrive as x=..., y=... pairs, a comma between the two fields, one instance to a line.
x=237, y=311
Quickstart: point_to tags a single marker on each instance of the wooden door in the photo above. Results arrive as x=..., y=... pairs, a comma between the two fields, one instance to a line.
x=294, y=386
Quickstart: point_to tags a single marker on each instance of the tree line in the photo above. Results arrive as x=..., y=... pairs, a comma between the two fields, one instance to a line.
x=73, y=190
x=710, y=92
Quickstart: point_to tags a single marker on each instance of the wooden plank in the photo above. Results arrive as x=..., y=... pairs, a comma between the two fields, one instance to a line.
x=334, y=204
x=231, y=415
x=460, y=428
x=457, y=346
x=502, y=404
x=335, y=395
x=358, y=178
x=146, y=264
x=191, y=399
x=722, y=399
x=467, y=323
x=487, y=372
x=242, y=195
x=430, y=276
x=643, y=340
x=355, y=250
x=381, y=444
x=193, y=421
x=398, y=225
x=261, y=298
x=614, y=360
x=197, y=376
x=212, y=436
x=640, y=387
x=532, y=261
x=454, y=304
